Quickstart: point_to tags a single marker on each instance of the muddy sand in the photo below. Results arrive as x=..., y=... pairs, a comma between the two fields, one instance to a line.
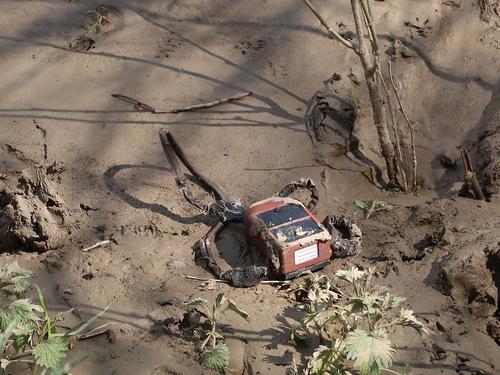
x=79, y=166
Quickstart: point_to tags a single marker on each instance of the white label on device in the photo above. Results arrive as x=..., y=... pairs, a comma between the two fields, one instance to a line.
x=306, y=253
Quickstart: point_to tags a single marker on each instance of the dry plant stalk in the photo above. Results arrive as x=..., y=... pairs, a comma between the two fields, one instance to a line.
x=410, y=127
x=469, y=174
x=395, y=129
x=370, y=60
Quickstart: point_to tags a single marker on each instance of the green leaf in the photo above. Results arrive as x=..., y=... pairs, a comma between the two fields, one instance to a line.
x=12, y=269
x=383, y=206
x=364, y=206
x=92, y=29
x=21, y=284
x=25, y=310
x=44, y=309
x=409, y=320
x=352, y=274
x=324, y=361
x=308, y=318
x=219, y=301
x=217, y=358
x=369, y=206
x=63, y=369
x=407, y=370
x=3, y=365
x=13, y=280
x=369, y=353
x=5, y=320
x=232, y=306
x=395, y=301
x=50, y=353
x=355, y=305
x=198, y=302
x=23, y=335
x=6, y=334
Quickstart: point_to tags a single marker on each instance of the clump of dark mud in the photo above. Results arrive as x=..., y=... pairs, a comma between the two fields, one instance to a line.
x=489, y=11
x=489, y=156
x=461, y=242
x=471, y=276
x=330, y=122
x=493, y=325
x=468, y=280
x=82, y=44
x=32, y=215
x=409, y=234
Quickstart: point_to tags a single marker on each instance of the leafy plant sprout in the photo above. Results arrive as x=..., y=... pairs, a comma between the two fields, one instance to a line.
x=28, y=334
x=371, y=206
x=216, y=355
x=353, y=328
x=99, y=17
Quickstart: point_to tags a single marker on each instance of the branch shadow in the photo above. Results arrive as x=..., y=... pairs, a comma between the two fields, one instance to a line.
x=109, y=177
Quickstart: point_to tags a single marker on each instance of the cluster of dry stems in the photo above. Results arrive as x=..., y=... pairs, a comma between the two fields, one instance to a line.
x=366, y=47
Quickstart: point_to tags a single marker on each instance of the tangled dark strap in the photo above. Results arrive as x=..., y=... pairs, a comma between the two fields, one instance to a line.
x=244, y=277
x=227, y=211
x=241, y=277
x=302, y=183
x=224, y=208
x=346, y=236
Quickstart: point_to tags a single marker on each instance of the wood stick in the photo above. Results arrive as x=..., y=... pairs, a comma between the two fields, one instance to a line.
x=96, y=245
x=470, y=175
x=146, y=107
x=227, y=282
x=395, y=129
x=410, y=127
x=325, y=24
x=365, y=7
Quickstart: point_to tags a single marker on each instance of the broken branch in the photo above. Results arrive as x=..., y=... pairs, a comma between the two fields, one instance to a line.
x=410, y=127
x=146, y=107
x=399, y=154
x=96, y=245
x=372, y=34
x=469, y=174
x=325, y=24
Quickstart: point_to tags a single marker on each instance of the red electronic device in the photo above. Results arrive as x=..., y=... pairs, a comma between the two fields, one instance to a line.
x=284, y=231
x=288, y=236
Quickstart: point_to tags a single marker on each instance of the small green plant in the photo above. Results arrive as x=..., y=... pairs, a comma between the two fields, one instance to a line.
x=214, y=353
x=353, y=328
x=371, y=206
x=28, y=334
x=99, y=17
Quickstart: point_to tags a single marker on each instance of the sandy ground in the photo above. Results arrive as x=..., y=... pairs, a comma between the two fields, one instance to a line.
x=57, y=106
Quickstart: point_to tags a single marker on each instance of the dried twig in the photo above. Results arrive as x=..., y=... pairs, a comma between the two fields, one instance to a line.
x=395, y=129
x=227, y=282
x=96, y=245
x=365, y=6
x=325, y=24
x=361, y=16
x=469, y=174
x=146, y=107
x=410, y=127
